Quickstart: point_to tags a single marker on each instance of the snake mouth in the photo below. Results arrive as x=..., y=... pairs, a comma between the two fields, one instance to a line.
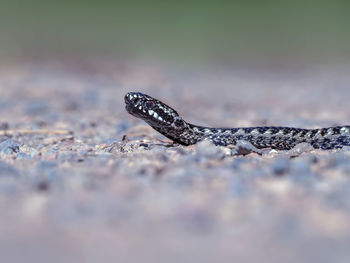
x=129, y=109
x=128, y=106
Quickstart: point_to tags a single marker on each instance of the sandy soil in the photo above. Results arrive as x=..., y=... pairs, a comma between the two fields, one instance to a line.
x=74, y=188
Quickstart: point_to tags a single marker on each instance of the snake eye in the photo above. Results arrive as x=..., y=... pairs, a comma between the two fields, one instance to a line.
x=149, y=104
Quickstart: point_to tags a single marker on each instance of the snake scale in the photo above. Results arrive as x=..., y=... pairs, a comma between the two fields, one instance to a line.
x=167, y=121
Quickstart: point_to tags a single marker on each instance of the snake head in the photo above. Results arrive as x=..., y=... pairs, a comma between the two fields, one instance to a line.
x=152, y=111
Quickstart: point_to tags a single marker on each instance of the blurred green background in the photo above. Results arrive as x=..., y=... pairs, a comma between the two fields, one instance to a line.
x=179, y=31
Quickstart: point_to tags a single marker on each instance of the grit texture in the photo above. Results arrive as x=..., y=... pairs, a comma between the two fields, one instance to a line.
x=81, y=180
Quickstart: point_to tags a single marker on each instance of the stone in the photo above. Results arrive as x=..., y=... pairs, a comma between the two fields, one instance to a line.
x=244, y=147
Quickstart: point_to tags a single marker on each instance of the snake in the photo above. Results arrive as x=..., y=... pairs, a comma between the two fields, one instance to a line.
x=168, y=122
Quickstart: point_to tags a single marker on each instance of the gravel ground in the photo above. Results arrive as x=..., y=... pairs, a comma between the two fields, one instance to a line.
x=83, y=181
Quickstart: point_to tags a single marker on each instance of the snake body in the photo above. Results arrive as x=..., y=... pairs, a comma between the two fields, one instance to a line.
x=167, y=121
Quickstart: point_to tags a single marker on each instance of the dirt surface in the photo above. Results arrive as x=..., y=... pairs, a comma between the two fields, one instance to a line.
x=83, y=181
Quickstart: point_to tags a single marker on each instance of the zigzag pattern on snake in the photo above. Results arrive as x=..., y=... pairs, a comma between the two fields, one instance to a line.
x=167, y=121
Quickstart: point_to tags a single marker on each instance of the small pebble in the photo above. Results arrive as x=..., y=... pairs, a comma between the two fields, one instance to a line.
x=9, y=146
x=208, y=150
x=299, y=149
x=43, y=186
x=243, y=148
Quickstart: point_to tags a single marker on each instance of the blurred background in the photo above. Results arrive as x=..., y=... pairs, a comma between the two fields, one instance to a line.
x=184, y=32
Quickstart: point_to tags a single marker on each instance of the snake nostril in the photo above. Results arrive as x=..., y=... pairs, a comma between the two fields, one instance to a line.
x=134, y=100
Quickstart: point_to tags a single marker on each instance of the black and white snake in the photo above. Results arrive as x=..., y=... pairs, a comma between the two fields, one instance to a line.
x=167, y=121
